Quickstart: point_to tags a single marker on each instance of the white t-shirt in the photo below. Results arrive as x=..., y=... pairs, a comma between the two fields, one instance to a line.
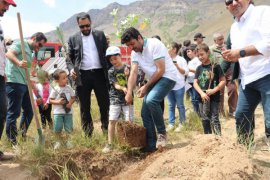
x=253, y=29
x=2, y=53
x=55, y=94
x=155, y=50
x=193, y=64
x=183, y=64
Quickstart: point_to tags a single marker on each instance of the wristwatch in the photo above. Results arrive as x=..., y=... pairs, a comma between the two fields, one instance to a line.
x=242, y=53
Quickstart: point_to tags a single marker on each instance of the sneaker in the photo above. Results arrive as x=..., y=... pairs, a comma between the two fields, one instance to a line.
x=169, y=128
x=161, y=140
x=178, y=129
x=107, y=148
x=57, y=145
x=69, y=145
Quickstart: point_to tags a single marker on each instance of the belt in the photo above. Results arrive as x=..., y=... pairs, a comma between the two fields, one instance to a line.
x=93, y=70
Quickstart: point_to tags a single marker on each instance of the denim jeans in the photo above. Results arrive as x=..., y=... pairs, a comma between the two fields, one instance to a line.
x=151, y=111
x=194, y=96
x=3, y=104
x=176, y=97
x=18, y=98
x=209, y=112
x=248, y=100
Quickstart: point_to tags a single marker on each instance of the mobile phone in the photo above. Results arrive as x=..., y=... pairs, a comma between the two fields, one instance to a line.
x=174, y=62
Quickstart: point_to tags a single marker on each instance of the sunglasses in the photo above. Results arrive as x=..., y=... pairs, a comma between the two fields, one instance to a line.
x=40, y=45
x=84, y=26
x=229, y=2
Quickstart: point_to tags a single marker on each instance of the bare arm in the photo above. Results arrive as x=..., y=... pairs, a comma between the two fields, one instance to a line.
x=131, y=82
x=233, y=55
x=12, y=56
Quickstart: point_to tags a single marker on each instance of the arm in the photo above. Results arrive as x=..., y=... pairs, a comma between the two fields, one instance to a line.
x=221, y=84
x=71, y=58
x=71, y=101
x=12, y=56
x=160, y=65
x=59, y=101
x=131, y=82
x=120, y=88
x=203, y=95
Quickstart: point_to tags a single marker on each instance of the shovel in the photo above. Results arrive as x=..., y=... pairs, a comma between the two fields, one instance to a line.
x=41, y=138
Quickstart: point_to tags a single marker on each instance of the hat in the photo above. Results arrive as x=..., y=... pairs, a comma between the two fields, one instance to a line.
x=11, y=2
x=198, y=35
x=113, y=50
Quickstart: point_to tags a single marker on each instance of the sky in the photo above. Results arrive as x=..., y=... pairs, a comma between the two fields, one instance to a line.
x=46, y=15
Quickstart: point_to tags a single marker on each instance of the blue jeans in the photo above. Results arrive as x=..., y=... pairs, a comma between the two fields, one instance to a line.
x=18, y=98
x=3, y=104
x=194, y=96
x=176, y=97
x=151, y=113
x=248, y=100
x=63, y=121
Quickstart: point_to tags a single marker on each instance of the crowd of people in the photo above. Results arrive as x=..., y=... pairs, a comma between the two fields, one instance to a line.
x=200, y=70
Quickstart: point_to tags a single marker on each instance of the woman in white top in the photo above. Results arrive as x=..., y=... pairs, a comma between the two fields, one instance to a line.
x=176, y=96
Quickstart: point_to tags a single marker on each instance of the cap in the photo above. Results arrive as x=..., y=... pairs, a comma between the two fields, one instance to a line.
x=113, y=50
x=198, y=35
x=11, y=2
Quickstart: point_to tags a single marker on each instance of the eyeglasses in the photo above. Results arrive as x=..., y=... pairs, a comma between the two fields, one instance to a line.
x=229, y=2
x=85, y=26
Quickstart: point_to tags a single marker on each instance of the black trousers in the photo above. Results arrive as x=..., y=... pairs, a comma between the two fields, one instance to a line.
x=3, y=104
x=45, y=115
x=93, y=80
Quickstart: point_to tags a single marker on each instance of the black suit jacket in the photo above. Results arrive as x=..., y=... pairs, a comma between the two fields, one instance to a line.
x=75, y=51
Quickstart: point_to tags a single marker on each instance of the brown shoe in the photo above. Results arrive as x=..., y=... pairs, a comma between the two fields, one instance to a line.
x=5, y=157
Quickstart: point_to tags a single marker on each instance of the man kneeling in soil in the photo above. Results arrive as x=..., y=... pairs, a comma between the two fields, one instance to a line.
x=153, y=58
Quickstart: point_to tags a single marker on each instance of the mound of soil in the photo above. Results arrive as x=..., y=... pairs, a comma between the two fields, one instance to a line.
x=207, y=157
x=130, y=134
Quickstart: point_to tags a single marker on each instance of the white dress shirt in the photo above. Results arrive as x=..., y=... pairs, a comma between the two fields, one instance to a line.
x=253, y=28
x=90, y=58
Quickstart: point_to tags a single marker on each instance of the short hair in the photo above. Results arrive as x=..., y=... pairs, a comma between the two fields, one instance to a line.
x=216, y=35
x=57, y=72
x=186, y=43
x=39, y=37
x=176, y=45
x=130, y=33
x=157, y=37
x=192, y=47
x=83, y=15
x=203, y=47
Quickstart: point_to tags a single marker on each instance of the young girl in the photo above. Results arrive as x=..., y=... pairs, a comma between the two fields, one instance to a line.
x=209, y=80
x=42, y=92
x=176, y=96
x=62, y=98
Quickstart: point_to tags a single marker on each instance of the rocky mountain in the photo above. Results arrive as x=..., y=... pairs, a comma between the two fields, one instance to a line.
x=173, y=20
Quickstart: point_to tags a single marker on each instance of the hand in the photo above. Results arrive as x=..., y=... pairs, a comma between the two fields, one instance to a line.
x=61, y=101
x=39, y=101
x=142, y=91
x=128, y=98
x=45, y=106
x=231, y=55
x=22, y=64
x=124, y=90
x=210, y=92
x=205, y=97
x=69, y=105
x=126, y=72
x=73, y=74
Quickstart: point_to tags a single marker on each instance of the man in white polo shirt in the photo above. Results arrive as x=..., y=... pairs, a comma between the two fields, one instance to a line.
x=153, y=58
x=250, y=38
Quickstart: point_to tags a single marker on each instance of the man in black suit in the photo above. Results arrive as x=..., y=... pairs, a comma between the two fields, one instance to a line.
x=88, y=67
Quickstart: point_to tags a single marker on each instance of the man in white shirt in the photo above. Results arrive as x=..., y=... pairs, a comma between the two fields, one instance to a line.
x=4, y=6
x=153, y=58
x=250, y=39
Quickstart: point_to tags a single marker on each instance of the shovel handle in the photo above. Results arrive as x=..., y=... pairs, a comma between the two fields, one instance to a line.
x=30, y=90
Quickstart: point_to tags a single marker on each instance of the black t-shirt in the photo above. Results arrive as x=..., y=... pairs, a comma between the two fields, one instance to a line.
x=203, y=76
x=117, y=97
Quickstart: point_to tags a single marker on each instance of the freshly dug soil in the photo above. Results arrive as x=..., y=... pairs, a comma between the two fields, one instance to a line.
x=130, y=134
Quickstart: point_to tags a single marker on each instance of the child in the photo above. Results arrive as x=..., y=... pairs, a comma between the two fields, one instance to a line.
x=192, y=66
x=62, y=97
x=118, y=75
x=209, y=80
x=176, y=96
x=42, y=92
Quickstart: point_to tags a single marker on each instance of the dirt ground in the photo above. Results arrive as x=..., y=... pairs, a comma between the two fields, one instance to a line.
x=201, y=157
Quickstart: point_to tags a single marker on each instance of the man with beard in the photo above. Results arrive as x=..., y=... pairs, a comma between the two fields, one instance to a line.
x=86, y=63
x=16, y=87
x=4, y=6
